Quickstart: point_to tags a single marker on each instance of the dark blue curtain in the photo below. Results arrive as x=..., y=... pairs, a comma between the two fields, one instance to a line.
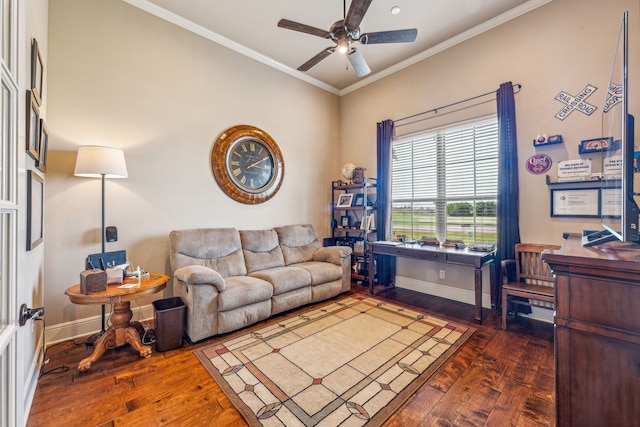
x=383, y=221
x=508, y=206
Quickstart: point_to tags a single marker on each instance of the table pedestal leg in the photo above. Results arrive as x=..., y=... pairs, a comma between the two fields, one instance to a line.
x=119, y=333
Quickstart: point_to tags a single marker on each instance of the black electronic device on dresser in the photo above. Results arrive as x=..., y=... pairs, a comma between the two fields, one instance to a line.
x=619, y=210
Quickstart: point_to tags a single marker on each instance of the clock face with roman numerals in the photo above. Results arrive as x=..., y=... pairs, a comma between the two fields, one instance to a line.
x=247, y=164
x=250, y=164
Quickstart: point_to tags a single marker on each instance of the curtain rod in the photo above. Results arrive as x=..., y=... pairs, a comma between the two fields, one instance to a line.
x=435, y=110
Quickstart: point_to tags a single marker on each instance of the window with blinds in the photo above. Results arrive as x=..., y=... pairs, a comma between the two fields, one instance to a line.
x=445, y=183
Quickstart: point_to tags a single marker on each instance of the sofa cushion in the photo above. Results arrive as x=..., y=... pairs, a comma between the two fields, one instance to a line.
x=261, y=249
x=290, y=300
x=298, y=242
x=243, y=290
x=243, y=316
x=326, y=291
x=216, y=248
x=284, y=279
x=321, y=272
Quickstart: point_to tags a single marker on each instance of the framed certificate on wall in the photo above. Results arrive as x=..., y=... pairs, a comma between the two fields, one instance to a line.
x=576, y=202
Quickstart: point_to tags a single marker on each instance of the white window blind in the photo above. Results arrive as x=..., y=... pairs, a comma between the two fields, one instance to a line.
x=445, y=182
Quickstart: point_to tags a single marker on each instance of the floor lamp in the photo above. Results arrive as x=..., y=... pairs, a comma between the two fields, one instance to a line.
x=95, y=161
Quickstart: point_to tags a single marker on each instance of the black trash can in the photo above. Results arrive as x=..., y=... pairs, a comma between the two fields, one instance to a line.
x=169, y=323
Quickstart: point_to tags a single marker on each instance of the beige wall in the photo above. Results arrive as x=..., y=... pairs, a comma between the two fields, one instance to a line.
x=120, y=77
x=562, y=46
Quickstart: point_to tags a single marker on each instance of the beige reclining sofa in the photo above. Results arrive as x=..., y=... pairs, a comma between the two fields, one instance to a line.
x=229, y=278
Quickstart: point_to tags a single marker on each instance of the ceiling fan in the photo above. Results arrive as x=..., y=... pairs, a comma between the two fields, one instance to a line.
x=346, y=31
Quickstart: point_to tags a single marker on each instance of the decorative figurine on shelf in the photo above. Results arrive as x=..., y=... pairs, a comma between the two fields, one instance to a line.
x=358, y=175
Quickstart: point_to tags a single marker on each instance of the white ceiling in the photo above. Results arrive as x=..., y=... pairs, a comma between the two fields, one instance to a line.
x=250, y=27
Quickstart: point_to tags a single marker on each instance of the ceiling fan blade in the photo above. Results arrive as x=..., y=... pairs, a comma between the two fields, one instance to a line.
x=303, y=28
x=356, y=12
x=358, y=63
x=319, y=57
x=395, y=36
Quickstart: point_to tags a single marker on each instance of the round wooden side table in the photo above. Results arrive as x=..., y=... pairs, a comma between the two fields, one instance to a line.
x=120, y=332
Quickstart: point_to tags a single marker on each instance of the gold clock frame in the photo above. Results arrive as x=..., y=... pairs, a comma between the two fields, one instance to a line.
x=219, y=155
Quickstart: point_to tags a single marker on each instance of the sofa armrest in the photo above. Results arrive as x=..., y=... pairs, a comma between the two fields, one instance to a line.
x=332, y=254
x=200, y=275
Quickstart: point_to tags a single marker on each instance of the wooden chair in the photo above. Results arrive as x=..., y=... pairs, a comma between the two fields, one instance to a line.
x=533, y=279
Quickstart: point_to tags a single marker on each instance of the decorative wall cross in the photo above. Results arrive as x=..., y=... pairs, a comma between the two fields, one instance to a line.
x=576, y=102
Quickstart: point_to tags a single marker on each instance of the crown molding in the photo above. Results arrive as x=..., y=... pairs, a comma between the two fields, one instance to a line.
x=475, y=31
x=243, y=50
x=224, y=41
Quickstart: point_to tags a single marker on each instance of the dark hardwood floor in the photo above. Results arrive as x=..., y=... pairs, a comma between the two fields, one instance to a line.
x=497, y=378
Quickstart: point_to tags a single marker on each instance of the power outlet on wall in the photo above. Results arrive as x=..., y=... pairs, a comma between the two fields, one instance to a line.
x=442, y=274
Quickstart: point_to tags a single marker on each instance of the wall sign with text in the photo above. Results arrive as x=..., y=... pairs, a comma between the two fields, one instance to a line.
x=577, y=102
x=539, y=164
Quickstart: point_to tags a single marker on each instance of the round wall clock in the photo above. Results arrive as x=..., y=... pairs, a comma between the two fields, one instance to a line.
x=247, y=164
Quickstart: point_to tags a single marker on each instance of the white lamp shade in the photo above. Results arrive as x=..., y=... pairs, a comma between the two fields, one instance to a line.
x=94, y=161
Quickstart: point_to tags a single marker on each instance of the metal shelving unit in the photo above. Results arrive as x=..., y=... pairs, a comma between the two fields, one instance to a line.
x=354, y=224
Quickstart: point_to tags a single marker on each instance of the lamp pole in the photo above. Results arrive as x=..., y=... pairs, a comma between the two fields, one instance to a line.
x=103, y=236
x=93, y=338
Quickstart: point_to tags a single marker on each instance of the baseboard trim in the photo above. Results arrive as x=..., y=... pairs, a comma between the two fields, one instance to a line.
x=463, y=295
x=443, y=291
x=89, y=325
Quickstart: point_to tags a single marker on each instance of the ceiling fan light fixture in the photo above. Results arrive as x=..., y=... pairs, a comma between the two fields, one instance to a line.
x=343, y=46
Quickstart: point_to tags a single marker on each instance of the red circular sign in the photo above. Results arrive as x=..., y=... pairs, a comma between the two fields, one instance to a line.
x=539, y=164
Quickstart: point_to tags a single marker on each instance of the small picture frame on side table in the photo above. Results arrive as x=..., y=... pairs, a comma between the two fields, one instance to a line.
x=344, y=201
x=345, y=222
x=359, y=200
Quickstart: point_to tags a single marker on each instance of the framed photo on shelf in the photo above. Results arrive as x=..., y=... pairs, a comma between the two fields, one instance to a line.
x=345, y=222
x=35, y=206
x=358, y=200
x=576, y=202
x=344, y=201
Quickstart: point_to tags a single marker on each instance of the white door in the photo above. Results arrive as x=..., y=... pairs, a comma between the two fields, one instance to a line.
x=8, y=209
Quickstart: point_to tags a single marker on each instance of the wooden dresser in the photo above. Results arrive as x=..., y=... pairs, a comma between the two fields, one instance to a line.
x=597, y=333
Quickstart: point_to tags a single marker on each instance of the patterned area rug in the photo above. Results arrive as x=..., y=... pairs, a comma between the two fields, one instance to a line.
x=351, y=362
